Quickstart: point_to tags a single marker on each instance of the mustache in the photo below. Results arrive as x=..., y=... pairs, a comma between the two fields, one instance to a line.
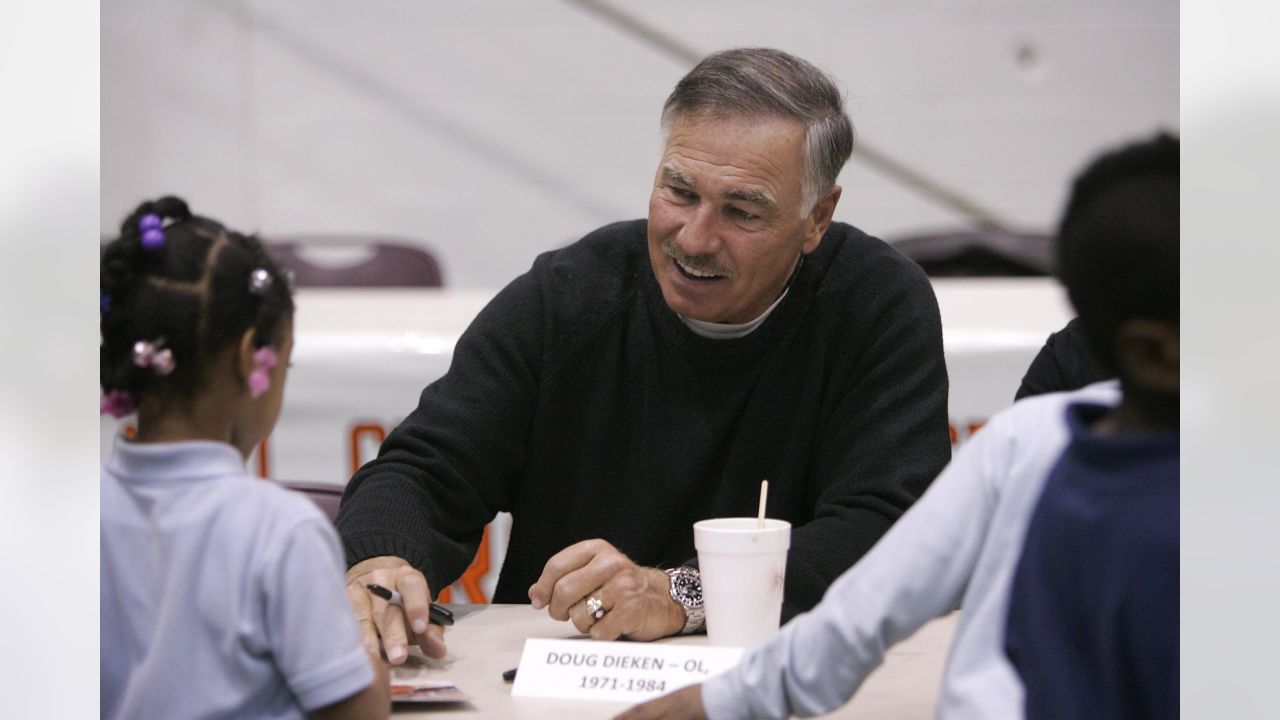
x=701, y=263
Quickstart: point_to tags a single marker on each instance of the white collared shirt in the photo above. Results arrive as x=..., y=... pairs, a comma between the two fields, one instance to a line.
x=726, y=331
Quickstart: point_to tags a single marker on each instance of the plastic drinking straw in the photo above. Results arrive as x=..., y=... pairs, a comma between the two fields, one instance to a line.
x=764, y=493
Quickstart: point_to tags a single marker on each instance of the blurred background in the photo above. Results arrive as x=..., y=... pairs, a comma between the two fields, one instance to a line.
x=492, y=130
x=487, y=132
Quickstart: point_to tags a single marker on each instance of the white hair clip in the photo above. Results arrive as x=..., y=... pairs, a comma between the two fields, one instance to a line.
x=154, y=355
x=259, y=281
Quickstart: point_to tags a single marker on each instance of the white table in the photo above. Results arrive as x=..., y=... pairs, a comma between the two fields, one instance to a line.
x=488, y=639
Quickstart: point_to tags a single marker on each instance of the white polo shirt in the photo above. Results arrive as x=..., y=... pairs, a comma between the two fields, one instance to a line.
x=222, y=594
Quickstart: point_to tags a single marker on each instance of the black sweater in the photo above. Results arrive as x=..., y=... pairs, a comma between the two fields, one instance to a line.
x=581, y=404
x=1066, y=362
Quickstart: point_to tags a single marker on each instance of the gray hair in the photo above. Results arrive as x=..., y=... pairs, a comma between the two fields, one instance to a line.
x=762, y=82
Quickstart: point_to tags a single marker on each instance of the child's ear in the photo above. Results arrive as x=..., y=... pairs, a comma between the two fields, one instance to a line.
x=1148, y=352
x=244, y=356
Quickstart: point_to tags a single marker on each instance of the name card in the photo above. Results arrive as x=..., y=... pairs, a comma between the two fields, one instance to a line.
x=615, y=671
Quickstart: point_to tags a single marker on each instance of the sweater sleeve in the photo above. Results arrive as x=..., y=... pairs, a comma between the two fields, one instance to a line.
x=1064, y=363
x=453, y=463
x=918, y=572
x=885, y=436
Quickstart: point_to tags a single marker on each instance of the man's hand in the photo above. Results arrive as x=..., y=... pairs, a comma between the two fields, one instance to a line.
x=379, y=619
x=683, y=704
x=636, y=600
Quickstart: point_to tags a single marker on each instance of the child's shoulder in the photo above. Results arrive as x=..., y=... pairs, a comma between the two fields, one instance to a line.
x=1031, y=415
x=1033, y=430
x=283, y=505
x=273, y=522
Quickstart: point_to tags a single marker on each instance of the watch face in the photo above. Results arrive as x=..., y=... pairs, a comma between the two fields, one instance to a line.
x=687, y=588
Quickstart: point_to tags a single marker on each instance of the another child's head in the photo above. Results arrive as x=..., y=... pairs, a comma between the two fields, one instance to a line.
x=196, y=324
x=1118, y=258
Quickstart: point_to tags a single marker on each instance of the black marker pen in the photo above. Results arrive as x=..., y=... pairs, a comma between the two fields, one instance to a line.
x=440, y=615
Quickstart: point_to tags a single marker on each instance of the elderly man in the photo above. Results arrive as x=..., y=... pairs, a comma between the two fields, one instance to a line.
x=1091, y=618
x=653, y=373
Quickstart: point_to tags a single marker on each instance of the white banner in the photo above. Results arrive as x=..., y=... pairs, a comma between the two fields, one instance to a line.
x=362, y=357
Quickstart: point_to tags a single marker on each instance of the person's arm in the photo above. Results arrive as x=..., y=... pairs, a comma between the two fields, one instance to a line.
x=452, y=464
x=310, y=630
x=885, y=434
x=919, y=571
x=372, y=703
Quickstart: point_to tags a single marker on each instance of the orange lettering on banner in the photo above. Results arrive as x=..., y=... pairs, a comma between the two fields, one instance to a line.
x=970, y=427
x=264, y=459
x=470, y=580
x=357, y=431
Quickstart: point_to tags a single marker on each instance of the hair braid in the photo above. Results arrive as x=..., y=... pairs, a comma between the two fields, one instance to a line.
x=192, y=292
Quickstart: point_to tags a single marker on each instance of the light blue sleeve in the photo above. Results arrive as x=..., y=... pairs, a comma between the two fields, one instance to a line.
x=312, y=628
x=918, y=571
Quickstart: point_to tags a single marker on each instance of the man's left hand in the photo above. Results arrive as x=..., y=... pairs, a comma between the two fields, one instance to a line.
x=636, y=600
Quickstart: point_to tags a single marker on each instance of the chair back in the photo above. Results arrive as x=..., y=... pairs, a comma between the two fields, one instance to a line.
x=324, y=495
x=979, y=254
x=363, y=262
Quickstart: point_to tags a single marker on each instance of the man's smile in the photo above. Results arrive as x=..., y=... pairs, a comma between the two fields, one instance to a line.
x=694, y=273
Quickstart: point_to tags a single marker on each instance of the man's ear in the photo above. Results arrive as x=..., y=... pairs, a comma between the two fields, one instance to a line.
x=1148, y=354
x=819, y=219
x=244, y=356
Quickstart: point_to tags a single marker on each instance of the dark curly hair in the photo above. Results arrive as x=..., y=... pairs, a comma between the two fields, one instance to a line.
x=1117, y=248
x=193, y=292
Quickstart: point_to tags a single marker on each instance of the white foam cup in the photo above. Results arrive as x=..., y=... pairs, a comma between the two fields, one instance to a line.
x=742, y=567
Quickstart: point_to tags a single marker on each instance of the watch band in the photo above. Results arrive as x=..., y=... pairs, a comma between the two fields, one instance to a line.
x=686, y=590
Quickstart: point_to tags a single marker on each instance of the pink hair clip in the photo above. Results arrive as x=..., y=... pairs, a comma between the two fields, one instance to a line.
x=154, y=355
x=116, y=403
x=260, y=379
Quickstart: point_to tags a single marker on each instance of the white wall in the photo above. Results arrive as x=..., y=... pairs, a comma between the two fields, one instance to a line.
x=495, y=129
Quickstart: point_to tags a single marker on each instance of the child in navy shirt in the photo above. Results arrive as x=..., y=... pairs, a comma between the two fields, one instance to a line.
x=1093, y=611
x=221, y=593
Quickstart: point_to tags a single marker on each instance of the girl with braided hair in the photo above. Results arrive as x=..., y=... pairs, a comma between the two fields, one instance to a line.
x=221, y=594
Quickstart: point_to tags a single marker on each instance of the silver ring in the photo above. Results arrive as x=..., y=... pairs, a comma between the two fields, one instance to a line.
x=595, y=607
